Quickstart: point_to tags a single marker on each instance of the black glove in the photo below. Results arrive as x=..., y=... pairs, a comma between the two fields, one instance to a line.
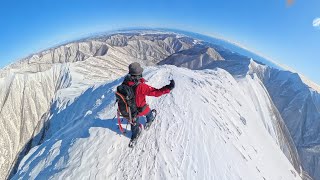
x=171, y=85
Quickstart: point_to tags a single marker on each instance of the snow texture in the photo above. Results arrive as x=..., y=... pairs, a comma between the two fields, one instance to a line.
x=37, y=89
x=215, y=133
x=296, y=98
x=31, y=86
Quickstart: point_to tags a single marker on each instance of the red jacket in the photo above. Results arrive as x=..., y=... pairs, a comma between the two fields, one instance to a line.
x=144, y=90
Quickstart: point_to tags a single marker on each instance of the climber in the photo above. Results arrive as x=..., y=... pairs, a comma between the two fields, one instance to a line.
x=140, y=89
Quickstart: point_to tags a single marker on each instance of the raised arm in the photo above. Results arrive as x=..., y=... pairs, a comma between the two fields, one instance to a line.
x=151, y=91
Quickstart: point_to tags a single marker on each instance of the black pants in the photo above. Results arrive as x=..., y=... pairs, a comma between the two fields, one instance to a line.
x=135, y=127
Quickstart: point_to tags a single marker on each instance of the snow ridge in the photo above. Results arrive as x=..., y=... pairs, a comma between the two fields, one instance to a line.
x=61, y=74
x=296, y=101
x=216, y=136
x=31, y=84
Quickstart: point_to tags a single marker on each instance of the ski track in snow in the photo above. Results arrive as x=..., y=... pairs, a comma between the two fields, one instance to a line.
x=206, y=128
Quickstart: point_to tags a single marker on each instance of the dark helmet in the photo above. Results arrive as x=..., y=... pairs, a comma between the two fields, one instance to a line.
x=135, y=69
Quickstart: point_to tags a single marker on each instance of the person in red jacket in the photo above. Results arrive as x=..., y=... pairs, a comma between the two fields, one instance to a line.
x=134, y=78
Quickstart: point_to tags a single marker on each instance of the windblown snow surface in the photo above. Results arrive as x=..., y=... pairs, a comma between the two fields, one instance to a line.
x=208, y=127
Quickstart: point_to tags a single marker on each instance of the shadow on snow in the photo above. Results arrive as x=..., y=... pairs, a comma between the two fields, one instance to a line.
x=68, y=124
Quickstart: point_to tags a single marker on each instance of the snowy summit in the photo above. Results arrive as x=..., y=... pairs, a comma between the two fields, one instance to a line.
x=210, y=131
x=230, y=116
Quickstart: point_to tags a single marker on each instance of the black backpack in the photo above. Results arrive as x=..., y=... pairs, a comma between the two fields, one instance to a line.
x=126, y=99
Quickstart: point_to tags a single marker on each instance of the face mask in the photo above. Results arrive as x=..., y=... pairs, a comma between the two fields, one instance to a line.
x=135, y=77
x=138, y=77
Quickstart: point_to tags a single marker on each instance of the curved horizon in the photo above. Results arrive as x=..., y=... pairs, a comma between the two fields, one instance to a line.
x=285, y=34
x=269, y=62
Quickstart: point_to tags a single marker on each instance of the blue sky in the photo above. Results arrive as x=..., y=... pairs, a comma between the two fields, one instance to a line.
x=288, y=34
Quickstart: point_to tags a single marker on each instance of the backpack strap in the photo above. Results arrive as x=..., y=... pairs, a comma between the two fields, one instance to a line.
x=134, y=87
x=123, y=99
x=130, y=119
x=119, y=123
x=141, y=109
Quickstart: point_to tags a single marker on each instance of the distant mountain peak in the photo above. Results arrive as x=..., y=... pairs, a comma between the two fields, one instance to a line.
x=38, y=88
x=193, y=58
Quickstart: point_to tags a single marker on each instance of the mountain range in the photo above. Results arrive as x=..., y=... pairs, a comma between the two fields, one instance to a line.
x=57, y=108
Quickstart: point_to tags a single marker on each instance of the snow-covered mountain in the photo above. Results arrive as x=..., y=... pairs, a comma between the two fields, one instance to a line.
x=297, y=102
x=30, y=85
x=194, y=58
x=49, y=95
x=300, y=108
x=216, y=134
x=296, y=98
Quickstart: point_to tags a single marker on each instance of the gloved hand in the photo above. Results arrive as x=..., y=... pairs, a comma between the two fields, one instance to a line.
x=171, y=85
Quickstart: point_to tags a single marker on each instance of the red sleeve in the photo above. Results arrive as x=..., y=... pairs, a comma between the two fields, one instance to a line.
x=151, y=91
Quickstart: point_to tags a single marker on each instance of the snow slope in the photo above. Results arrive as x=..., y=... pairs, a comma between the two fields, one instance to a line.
x=24, y=99
x=208, y=127
x=296, y=100
x=39, y=84
x=30, y=85
x=299, y=107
